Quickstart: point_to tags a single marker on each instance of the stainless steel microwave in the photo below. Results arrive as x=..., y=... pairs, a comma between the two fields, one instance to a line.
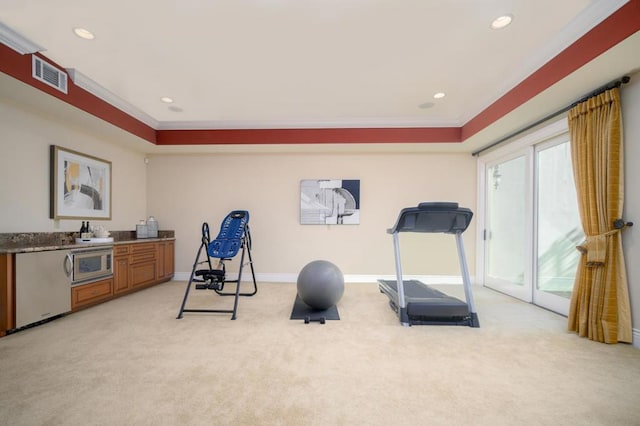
x=91, y=264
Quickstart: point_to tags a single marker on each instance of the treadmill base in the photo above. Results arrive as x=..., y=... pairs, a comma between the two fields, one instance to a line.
x=427, y=306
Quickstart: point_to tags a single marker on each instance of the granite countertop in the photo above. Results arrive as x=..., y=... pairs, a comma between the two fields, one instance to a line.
x=26, y=242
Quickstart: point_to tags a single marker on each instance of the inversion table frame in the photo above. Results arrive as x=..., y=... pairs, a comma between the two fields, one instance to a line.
x=415, y=302
x=234, y=236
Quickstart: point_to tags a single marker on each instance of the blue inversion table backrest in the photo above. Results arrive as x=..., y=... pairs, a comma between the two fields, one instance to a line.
x=434, y=217
x=229, y=239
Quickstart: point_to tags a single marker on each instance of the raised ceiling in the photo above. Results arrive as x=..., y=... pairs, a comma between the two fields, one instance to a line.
x=282, y=64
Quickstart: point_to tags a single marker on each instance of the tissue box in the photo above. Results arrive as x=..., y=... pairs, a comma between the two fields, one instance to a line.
x=142, y=231
x=152, y=229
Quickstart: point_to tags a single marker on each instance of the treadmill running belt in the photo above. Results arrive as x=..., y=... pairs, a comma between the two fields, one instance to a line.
x=425, y=301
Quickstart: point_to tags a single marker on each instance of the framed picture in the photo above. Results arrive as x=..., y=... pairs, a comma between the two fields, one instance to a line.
x=330, y=202
x=80, y=185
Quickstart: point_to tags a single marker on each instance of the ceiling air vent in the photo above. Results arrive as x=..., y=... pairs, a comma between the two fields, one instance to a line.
x=49, y=74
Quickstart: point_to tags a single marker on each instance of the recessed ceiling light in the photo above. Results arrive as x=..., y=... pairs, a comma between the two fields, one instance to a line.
x=438, y=95
x=175, y=108
x=83, y=33
x=501, y=21
x=426, y=105
x=166, y=99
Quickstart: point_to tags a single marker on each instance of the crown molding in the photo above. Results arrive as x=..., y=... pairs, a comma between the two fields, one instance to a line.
x=111, y=98
x=17, y=42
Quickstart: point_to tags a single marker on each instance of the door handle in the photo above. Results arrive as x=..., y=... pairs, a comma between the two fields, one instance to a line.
x=68, y=264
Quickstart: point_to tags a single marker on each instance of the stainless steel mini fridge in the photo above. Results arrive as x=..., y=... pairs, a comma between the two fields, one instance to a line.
x=43, y=285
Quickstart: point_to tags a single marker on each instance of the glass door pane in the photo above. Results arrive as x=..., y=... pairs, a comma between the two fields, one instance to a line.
x=506, y=231
x=558, y=228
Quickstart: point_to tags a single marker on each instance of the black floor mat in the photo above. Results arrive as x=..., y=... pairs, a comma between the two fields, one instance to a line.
x=303, y=311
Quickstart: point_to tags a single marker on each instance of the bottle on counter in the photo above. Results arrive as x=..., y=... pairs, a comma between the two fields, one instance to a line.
x=83, y=230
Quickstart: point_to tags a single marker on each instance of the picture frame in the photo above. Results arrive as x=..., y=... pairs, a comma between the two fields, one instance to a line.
x=80, y=185
x=330, y=202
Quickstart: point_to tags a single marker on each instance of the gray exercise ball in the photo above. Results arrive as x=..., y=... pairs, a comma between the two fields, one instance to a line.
x=320, y=284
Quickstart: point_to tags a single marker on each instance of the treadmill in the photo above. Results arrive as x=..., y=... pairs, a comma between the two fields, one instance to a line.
x=415, y=302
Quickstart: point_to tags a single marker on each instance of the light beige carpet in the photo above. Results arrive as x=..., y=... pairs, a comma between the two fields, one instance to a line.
x=130, y=362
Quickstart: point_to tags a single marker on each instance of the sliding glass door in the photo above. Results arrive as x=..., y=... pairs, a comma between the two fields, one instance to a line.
x=558, y=229
x=506, y=230
x=531, y=223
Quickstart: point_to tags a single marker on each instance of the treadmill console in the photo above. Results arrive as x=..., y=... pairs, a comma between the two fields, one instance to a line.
x=434, y=217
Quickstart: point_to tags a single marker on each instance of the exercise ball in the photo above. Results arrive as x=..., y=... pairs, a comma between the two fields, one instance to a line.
x=320, y=284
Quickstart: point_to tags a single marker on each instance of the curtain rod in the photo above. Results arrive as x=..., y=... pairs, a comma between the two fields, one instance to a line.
x=612, y=84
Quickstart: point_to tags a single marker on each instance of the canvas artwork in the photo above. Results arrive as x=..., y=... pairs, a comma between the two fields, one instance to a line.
x=81, y=185
x=330, y=202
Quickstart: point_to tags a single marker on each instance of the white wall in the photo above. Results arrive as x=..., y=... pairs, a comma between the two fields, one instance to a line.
x=630, y=238
x=25, y=138
x=186, y=190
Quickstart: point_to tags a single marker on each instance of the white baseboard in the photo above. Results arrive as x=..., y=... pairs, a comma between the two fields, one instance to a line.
x=348, y=278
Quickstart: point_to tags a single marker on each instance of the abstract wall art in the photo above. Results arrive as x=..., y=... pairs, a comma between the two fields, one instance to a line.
x=330, y=202
x=80, y=185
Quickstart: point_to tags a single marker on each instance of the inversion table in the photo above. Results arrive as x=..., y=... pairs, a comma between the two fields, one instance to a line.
x=234, y=236
x=414, y=301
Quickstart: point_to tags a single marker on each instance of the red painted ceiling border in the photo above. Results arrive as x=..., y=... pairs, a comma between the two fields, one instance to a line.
x=617, y=27
x=308, y=136
x=613, y=30
x=19, y=67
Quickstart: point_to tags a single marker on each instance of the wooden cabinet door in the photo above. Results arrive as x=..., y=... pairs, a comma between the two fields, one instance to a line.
x=169, y=262
x=165, y=258
x=143, y=273
x=121, y=274
x=160, y=250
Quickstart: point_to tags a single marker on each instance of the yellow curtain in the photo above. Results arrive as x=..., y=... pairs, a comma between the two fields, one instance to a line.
x=600, y=308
